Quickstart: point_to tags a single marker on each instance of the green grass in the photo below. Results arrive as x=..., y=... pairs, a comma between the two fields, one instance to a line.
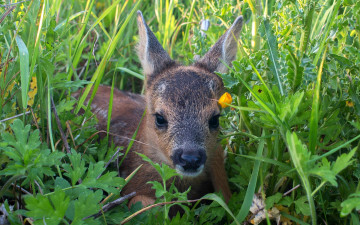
x=291, y=133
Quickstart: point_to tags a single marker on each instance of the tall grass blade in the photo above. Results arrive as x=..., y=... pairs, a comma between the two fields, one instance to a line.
x=299, y=157
x=62, y=23
x=24, y=70
x=244, y=210
x=187, y=29
x=101, y=68
x=326, y=35
x=50, y=130
x=110, y=108
x=321, y=19
x=35, y=53
x=98, y=21
x=137, y=75
x=332, y=151
x=255, y=38
x=75, y=58
x=273, y=50
x=314, y=118
x=11, y=180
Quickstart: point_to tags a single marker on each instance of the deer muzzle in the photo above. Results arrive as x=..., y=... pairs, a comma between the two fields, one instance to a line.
x=189, y=162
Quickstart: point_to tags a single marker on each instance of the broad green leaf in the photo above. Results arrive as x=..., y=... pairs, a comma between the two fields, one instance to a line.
x=302, y=207
x=343, y=161
x=273, y=53
x=353, y=202
x=86, y=205
x=271, y=200
x=76, y=169
x=324, y=171
x=287, y=201
x=295, y=70
x=300, y=156
x=24, y=70
x=229, y=81
x=305, y=35
x=314, y=119
x=50, y=210
x=159, y=189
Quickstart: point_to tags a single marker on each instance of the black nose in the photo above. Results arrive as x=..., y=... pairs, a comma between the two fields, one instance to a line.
x=190, y=160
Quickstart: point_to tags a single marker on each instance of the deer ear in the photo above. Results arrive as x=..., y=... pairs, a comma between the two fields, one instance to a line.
x=224, y=50
x=151, y=54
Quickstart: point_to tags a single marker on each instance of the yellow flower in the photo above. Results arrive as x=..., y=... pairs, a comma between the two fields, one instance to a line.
x=349, y=104
x=353, y=33
x=225, y=99
x=33, y=91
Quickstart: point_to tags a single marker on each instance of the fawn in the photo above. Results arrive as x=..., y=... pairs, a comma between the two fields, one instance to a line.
x=181, y=123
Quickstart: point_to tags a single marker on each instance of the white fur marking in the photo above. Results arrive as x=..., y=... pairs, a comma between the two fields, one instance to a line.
x=162, y=87
x=212, y=85
x=180, y=170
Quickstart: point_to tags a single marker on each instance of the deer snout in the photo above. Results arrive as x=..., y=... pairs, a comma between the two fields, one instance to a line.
x=189, y=162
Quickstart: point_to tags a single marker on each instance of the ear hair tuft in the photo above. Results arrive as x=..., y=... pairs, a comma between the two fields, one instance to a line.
x=224, y=50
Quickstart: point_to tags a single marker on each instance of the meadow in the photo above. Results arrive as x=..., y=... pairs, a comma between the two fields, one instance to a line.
x=291, y=133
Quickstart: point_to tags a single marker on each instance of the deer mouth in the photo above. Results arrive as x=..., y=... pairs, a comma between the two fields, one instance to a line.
x=187, y=172
x=189, y=163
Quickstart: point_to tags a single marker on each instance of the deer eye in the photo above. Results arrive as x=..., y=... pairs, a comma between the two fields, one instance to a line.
x=214, y=122
x=160, y=121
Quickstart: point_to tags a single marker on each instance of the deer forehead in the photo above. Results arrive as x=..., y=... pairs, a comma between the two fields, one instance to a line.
x=186, y=83
x=186, y=92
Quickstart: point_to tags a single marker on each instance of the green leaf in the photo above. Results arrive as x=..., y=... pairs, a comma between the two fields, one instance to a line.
x=353, y=202
x=65, y=106
x=229, y=81
x=271, y=42
x=300, y=156
x=314, y=119
x=302, y=207
x=107, y=182
x=76, y=169
x=287, y=201
x=28, y=156
x=295, y=71
x=221, y=202
x=324, y=171
x=164, y=170
x=86, y=205
x=47, y=209
x=343, y=161
x=50, y=35
x=299, y=153
x=305, y=35
x=24, y=70
x=342, y=60
x=271, y=200
x=159, y=188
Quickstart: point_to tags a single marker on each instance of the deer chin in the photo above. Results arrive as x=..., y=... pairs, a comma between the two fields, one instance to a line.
x=189, y=173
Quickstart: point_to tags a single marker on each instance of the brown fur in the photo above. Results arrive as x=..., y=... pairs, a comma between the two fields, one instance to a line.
x=186, y=96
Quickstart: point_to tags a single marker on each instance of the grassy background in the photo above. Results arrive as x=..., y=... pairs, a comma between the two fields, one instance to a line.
x=291, y=133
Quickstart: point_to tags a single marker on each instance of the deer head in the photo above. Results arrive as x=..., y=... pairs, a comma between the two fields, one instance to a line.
x=182, y=108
